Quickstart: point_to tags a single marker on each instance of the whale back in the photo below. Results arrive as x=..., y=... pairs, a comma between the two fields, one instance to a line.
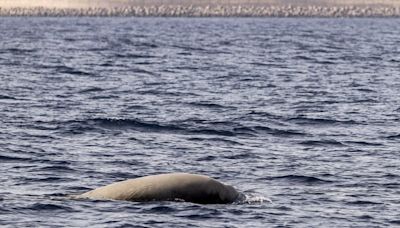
x=175, y=186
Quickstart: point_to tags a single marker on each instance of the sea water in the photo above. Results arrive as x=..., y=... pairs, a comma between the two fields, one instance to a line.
x=300, y=115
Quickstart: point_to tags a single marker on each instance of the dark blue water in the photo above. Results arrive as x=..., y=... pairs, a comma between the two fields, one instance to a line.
x=302, y=115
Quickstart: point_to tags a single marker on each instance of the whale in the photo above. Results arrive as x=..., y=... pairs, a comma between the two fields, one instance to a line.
x=185, y=187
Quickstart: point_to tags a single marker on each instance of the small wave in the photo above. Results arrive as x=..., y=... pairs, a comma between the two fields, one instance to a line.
x=46, y=179
x=20, y=50
x=391, y=185
x=252, y=198
x=319, y=121
x=72, y=71
x=5, y=158
x=104, y=97
x=144, y=63
x=146, y=45
x=91, y=90
x=189, y=48
x=133, y=123
x=43, y=126
x=207, y=158
x=136, y=107
x=207, y=105
x=395, y=222
x=213, y=132
x=361, y=143
x=49, y=207
x=393, y=136
x=302, y=179
x=79, y=127
x=127, y=163
x=264, y=114
x=75, y=127
x=241, y=156
x=277, y=132
x=269, y=64
x=82, y=126
x=321, y=143
x=162, y=209
x=135, y=56
x=162, y=93
x=302, y=57
x=364, y=202
x=367, y=90
x=59, y=168
x=222, y=140
x=184, y=53
x=142, y=71
x=5, y=97
x=317, y=51
x=190, y=127
x=366, y=217
x=324, y=62
x=191, y=68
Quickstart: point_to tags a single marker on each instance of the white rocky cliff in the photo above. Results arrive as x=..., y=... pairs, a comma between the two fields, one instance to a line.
x=202, y=8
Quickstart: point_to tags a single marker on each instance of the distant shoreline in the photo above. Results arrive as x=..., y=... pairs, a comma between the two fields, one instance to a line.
x=208, y=11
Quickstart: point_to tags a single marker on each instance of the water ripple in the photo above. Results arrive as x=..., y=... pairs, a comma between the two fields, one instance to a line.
x=300, y=112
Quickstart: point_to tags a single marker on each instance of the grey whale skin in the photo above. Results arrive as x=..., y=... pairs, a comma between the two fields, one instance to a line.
x=167, y=187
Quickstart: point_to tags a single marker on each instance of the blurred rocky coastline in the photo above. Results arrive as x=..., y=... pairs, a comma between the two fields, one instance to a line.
x=210, y=11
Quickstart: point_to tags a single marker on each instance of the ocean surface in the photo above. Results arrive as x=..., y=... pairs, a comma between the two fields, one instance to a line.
x=300, y=115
